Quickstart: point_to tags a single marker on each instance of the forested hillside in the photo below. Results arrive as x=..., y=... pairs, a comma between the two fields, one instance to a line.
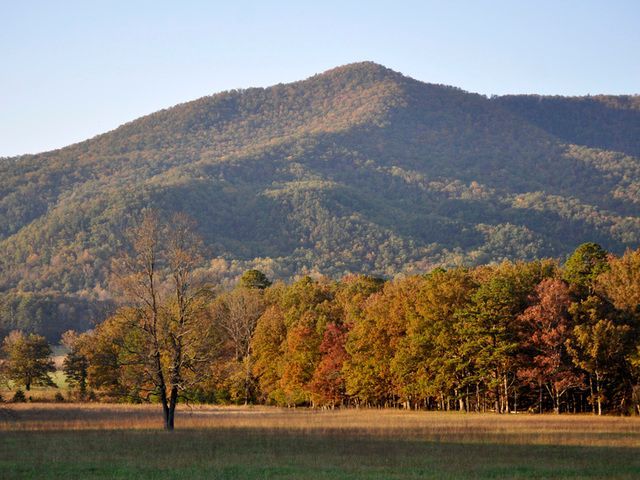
x=359, y=169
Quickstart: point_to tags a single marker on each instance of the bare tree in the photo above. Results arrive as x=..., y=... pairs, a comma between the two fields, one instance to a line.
x=165, y=306
x=237, y=313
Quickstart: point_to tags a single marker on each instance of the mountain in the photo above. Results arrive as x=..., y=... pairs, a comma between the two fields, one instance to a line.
x=358, y=169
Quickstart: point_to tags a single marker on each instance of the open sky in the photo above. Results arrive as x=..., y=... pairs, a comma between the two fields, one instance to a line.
x=73, y=69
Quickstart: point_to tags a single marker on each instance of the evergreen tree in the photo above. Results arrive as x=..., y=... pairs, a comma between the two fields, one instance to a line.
x=254, y=279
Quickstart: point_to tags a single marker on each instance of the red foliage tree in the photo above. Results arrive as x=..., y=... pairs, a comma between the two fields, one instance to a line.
x=545, y=329
x=327, y=384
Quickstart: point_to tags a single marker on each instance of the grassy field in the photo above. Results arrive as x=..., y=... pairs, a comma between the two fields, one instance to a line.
x=117, y=441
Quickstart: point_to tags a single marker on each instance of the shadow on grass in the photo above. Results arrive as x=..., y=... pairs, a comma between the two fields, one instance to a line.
x=260, y=454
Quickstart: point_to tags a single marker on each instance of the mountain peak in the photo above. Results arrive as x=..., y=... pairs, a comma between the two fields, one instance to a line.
x=365, y=70
x=363, y=66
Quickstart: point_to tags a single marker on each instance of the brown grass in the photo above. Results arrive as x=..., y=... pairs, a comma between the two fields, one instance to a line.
x=578, y=430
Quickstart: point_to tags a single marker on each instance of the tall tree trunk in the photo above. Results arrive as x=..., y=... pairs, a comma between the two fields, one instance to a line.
x=598, y=393
x=162, y=387
x=247, y=379
x=171, y=413
x=165, y=409
x=506, y=394
x=540, y=396
x=466, y=400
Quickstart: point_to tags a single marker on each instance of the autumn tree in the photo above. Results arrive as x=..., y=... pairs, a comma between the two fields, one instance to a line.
x=328, y=384
x=373, y=340
x=430, y=360
x=28, y=360
x=545, y=328
x=164, y=317
x=599, y=346
x=620, y=282
x=301, y=354
x=267, y=346
x=308, y=307
x=116, y=367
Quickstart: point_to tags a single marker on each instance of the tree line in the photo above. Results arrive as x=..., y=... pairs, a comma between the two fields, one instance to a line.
x=515, y=336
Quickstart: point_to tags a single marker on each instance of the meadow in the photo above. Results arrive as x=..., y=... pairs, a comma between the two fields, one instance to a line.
x=125, y=441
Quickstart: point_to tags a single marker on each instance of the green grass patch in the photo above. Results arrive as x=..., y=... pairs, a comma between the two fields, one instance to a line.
x=260, y=454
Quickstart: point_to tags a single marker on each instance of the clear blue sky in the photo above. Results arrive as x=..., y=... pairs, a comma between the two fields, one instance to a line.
x=73, y=69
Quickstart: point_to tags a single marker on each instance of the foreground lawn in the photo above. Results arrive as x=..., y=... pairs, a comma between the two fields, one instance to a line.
x=235, y=443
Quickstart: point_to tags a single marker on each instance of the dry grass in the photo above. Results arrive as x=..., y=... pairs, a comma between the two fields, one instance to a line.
x=580, y=430
x=125, y=441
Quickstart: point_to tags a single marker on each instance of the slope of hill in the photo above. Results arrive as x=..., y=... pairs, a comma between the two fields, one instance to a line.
x=602, y=121
x=356, y=169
